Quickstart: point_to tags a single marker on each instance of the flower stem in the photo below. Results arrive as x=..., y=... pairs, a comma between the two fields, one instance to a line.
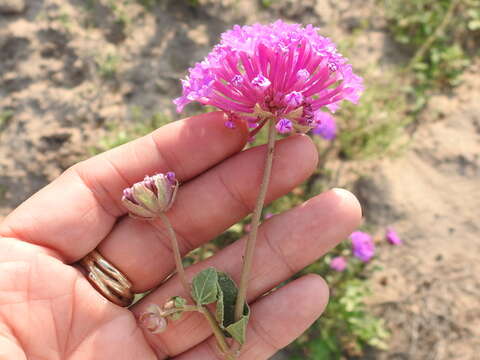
x=176, y=253
x=252, y=238
x=186, y=308
x=217, y=332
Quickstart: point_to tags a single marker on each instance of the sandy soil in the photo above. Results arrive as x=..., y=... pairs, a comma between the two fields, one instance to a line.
x=429, y=289
x=56, y=83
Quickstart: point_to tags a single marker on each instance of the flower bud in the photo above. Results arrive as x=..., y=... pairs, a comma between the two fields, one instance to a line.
x=169, y=305
x=152, y=196
x=175, y=306
x=152, y=320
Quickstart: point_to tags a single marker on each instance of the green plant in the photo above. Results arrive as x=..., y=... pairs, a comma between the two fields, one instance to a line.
x=148, y=4
x=119, y=12
x=267, y=3
x=64, y=19
x=108, y=64
x=436, y=34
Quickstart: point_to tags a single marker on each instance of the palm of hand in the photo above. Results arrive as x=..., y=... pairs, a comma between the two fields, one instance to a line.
x=48, y=310
x=57, y=314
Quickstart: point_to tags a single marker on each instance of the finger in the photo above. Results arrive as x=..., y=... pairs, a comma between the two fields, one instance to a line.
x=76, y=211
x=276, y=320
x=286, y=244
x=205, y=207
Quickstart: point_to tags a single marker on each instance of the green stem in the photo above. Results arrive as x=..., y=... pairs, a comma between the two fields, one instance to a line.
x=252, y=238
x=176, y=253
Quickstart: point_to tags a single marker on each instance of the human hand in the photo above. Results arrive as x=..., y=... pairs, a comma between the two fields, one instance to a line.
x=48, y=310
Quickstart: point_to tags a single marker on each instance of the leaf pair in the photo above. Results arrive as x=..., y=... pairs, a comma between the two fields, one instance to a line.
x=211, y=286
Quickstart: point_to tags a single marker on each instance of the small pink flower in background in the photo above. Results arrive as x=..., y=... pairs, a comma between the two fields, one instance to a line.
x=338, y=263
x=327, y=128
x=363, y=246
x=392, y=236
x=268, y=216
x=282, y=71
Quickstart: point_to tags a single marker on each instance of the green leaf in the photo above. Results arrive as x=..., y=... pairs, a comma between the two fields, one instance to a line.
x=238, y=330
x=227, y=295
x=204, y=286
x=179, y=301
x=320, y=350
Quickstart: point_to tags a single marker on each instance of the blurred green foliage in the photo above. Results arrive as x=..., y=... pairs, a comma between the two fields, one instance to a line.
x=5, y=117
x=441, y=37
x=108, y=64
x=376, y=125
x=119, y=12
x=267, y=3
x=3, y=191
x=347, y=326
x=150, y=4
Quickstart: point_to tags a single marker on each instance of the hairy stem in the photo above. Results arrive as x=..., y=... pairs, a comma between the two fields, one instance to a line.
x=176, y=253
x=217, y=332
x=252, y=238
x=186, y=308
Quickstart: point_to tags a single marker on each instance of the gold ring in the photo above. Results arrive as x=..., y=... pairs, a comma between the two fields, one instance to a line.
x=108, y=280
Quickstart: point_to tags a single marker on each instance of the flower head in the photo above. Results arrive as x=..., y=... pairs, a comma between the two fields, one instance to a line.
x=363, y=246
x=392, y=236
x=338, y=263
x=148, y=198
x=279, y=71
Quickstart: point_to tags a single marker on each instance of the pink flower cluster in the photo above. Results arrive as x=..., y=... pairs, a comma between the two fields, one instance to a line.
x=278, y=71
x=363, y=247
